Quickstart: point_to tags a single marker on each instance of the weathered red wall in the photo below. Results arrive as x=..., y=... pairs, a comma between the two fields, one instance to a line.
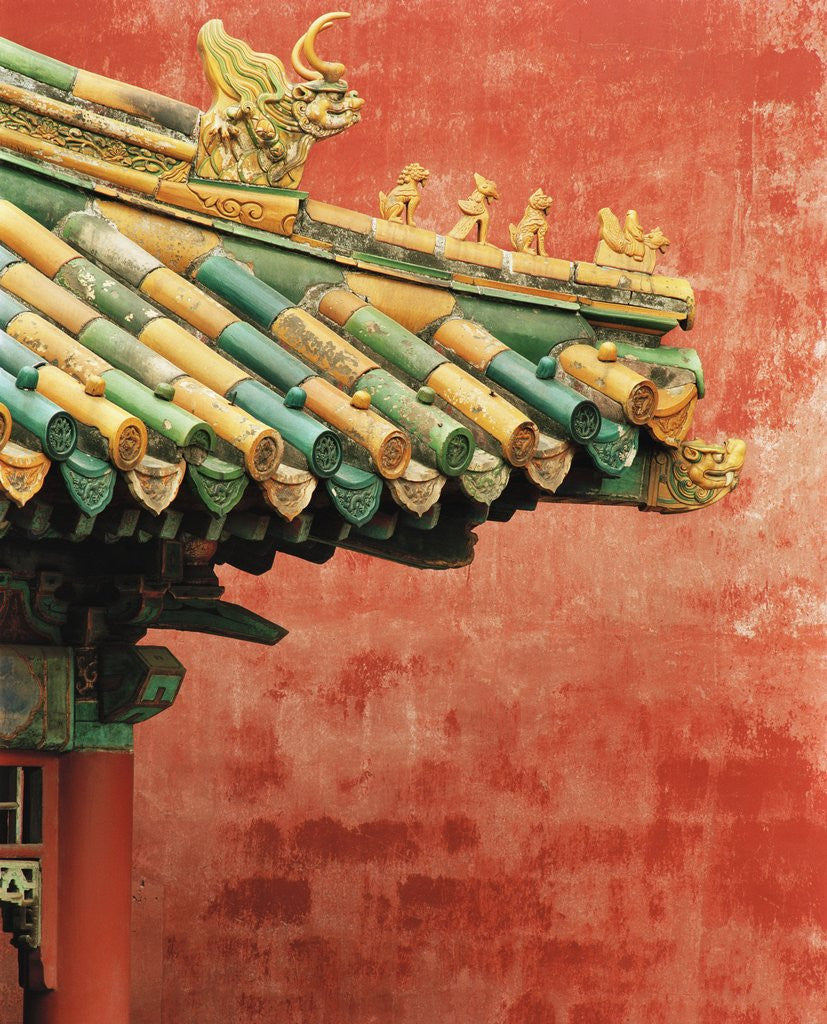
x=580, y=782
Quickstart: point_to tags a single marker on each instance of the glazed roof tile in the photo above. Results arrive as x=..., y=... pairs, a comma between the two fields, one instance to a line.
x=249, y=365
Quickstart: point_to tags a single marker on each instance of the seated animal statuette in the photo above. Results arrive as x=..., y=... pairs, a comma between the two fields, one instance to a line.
x=400, y=204
x=530, y=234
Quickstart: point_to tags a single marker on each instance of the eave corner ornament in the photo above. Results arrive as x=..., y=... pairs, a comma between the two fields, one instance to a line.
x=695, y=474
x=260, y=126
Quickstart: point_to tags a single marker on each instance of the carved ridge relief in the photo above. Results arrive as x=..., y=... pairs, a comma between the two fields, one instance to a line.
x=87, y=142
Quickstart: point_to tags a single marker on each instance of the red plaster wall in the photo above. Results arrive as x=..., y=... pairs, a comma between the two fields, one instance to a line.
x=582, y=781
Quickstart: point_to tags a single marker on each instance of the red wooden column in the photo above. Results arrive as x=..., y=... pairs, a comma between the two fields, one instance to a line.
x=94, y=893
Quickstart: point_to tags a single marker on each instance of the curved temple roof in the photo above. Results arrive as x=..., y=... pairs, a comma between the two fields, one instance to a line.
x=194, y=353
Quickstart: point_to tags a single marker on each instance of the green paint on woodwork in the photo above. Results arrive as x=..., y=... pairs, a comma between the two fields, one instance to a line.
x=381, y=527
x=51, y=606
x=427, y=521
x=319, y=445
x=90, y=482
x=92, y=734
x=287, y=268
x=297, y=531
x=629, y=487
x=578, y=416
x=220, y=618
x=37, y=66
x=98, y=289
x=448, y=546
x=148, y=680
x=390, y=340
x=436, y=433
x=531, y=331
x=37, y=697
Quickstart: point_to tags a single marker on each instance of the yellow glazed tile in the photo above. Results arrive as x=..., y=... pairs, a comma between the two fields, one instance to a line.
x=540, y=266
x=261, y=446
x=412, y=305
x=80, y=117
x=473, y=252
x=176, y=344
x=588, y=273
x=338, y=216
x=126, y=435
x=31, y=241
x=254, y=209
x=170, y=240
x=636, y=393
x=75, y=161
x=52, y=344
x=418, y=239
x=185, y=300
x=119, y=95
x=38, y=291
x=388, y=446
x=470, y=342
x=318, y=346
x=517, y=435
x=673, y=288
x=5, y=426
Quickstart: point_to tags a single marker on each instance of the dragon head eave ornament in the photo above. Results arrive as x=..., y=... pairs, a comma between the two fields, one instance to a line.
x=695, y=474
x=260, y=126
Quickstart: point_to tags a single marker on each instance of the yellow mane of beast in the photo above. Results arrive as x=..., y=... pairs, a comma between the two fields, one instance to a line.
x=260, y=126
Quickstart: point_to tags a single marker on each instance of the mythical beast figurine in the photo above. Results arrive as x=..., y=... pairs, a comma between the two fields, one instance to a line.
x=533, y=228
x=627, y=248
x=260, y=126
x=474, y=210
x=400, y=204
x=695, y=474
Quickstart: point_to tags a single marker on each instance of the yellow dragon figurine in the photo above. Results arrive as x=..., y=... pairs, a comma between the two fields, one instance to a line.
x=260, y=126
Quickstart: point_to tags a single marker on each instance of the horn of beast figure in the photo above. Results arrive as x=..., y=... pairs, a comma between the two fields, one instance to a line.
x=306, y=46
